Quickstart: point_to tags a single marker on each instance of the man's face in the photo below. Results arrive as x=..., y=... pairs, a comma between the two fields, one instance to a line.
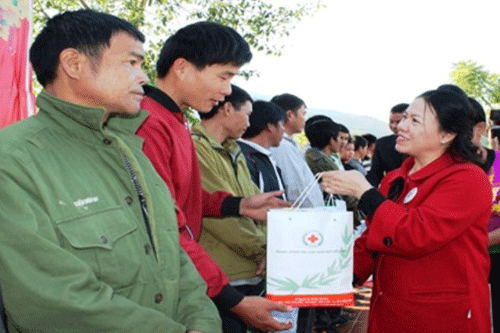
x=343, y=138
x=203, y=89
x=277, y=132
x=297, y=119
x=347, y=153
x=115, y=81
x=239, y=120
x=394, y=120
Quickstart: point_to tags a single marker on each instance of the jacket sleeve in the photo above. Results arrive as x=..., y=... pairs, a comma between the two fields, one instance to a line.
x=47, y=288
x=449, y=210
x=364, y=262
x=239, y=233
x=213, y=202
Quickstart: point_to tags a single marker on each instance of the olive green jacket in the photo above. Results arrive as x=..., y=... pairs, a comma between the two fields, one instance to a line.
x=319, y=161
x=75, y=254
x=237, y=244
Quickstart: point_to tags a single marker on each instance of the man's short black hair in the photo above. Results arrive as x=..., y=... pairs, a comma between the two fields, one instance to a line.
x=203, y=44
x=237, y=98
x=263, y=113
x=370, y=138
x=400, y=108
x=359, y=142
x=288, y=102
x=320, y=131
x=316, y=118
x=85, y=30
x=343, y=129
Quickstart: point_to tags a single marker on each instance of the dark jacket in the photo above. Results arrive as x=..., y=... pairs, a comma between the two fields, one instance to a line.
x=385, y=158
x=261, y=169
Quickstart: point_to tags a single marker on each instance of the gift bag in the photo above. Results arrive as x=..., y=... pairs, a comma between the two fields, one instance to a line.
x=310, y=256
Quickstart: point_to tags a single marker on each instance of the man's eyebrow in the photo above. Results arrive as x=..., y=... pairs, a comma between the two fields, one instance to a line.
x=137, y=55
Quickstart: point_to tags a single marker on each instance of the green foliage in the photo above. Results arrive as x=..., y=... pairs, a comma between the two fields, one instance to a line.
x=262, y=23
x=301, y=139
x=477, y=82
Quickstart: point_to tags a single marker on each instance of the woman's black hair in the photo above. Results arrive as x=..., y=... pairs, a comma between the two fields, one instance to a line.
x=453, y=112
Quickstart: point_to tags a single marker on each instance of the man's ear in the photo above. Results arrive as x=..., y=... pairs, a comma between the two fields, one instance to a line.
x=71, y=62
x=270, y=127
x=227, y=109
x=180, y=67
x=289, y=114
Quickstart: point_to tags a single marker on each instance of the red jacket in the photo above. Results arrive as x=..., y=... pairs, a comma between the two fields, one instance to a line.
x=168, y=144
x=428, y=250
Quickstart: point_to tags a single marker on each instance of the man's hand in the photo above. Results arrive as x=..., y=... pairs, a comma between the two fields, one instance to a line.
x=256, y=312
x=261, y=269
x=256, y=207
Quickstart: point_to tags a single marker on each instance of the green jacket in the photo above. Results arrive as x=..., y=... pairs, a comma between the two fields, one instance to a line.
x=75, y=255
x=319, y=161
x=236, y=243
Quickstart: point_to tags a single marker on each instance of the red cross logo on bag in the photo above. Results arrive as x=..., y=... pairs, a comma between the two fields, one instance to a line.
x=313, y=238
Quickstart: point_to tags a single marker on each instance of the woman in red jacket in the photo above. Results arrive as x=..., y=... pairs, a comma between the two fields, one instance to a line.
x=426, y=241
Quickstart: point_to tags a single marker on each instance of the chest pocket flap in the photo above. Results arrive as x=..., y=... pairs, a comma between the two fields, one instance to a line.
x=100, y=229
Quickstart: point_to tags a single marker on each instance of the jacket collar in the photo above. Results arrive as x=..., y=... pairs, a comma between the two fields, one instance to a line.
x=161, y=98
x=255, y=148
x=441, y=163
x=229, y=145
x=81, y=121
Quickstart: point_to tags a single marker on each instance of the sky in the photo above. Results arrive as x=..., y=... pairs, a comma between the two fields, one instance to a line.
x=363, y=57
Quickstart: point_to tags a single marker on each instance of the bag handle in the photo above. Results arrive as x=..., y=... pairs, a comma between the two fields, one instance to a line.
x=305, y=192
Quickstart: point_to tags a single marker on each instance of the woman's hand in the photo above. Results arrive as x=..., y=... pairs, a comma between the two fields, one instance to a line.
x=350, y=183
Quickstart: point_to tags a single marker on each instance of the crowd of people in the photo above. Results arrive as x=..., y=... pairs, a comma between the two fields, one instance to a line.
x=119, y=216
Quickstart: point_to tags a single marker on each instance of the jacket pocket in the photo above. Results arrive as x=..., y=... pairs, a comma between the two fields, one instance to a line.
x=109, y=242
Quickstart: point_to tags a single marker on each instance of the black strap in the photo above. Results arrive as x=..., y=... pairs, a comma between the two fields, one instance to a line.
x=142, y=198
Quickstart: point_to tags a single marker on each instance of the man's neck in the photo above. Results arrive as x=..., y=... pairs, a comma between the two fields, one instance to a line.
x=168, y=88
x=329, y=151
x=261, y=140
x=290, y=131
x=214, y=128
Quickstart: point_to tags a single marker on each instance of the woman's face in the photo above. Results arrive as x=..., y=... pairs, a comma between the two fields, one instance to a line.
x=419, y=132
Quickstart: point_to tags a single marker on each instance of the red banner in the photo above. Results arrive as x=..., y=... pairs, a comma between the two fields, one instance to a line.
x=16, y=95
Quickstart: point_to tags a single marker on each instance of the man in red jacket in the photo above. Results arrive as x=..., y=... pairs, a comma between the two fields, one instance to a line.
x=195, y=69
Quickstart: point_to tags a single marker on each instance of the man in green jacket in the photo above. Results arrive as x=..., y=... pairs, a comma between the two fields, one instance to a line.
x=237, y=244
x=88, y=233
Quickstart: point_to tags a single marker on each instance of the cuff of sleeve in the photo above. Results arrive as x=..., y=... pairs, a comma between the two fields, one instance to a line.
x=228, y=297
x=355, y=280
x=370, y=200
x=231, y=206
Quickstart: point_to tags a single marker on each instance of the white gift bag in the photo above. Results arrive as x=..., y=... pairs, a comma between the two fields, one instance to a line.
x=310, y=256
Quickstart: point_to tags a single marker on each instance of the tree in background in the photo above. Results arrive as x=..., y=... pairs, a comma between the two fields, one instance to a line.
x=477, y=82
x=262, y=23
